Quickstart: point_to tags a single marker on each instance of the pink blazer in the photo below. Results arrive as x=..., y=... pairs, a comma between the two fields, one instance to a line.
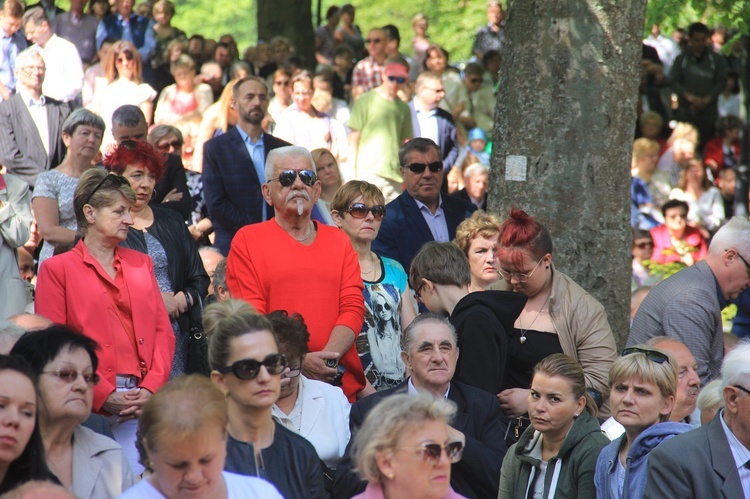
x=69, y=291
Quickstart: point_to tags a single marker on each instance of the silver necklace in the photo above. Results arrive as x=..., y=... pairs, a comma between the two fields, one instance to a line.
x=372, y=266
x=522, y=339
x=309, y=233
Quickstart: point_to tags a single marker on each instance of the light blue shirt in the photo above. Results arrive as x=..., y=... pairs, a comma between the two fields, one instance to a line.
x=741, y=456
x=10, y=46
x=257, y=152
x=436, y=222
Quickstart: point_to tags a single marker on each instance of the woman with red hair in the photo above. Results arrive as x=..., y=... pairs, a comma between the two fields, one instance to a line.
x=161, y=234
x=559, y=317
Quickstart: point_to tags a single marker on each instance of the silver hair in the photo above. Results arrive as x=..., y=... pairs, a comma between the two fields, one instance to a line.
x=735, y=234
x=287, y=152
x=82, y=117
x=711, y=396
x=409, y=337
x=476, y=168
x=128, y=116
x=25, y=56
x=220, y=275
x=9, y=334
x=736, y=367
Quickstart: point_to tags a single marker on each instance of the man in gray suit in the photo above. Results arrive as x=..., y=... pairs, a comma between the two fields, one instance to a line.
x=30, y=123
x=687, y=306
x=713, y=460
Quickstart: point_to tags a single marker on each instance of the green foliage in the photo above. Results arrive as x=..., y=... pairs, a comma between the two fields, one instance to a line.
x=213, y=18
x=680, y=13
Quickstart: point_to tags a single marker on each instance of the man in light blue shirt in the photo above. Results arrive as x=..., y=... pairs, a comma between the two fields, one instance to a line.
x=11, y=43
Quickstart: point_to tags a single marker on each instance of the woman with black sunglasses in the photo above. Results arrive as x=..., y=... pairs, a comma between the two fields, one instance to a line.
x=643, y=385
x=110, y=294
x=358, y=208
x=247, y=366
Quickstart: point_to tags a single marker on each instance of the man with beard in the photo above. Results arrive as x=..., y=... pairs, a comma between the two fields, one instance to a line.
x=234, y=165
x=292, y=263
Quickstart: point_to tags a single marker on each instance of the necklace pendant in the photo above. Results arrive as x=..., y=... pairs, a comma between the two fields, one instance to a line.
x=522, y=339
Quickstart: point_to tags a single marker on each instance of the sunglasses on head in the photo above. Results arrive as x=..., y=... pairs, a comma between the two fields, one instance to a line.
x=431, y=452
x=247, y=369
x=117, y=180
x=359, y=210
x=398, y=79
x=434, y=167
x=652, y=355
x=287, y=177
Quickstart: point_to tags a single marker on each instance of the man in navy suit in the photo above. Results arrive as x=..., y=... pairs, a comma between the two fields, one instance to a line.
x=432, y=122
x=420, y=214
x=234, y=165
x=430, y=352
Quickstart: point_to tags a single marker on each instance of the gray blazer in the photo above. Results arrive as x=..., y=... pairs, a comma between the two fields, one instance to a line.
x=697, y=464
x=15, y=220
x=100, y=469
x=21, y=148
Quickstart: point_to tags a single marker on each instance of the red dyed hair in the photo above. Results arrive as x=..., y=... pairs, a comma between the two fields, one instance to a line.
x=143, y=153
x=522, y=235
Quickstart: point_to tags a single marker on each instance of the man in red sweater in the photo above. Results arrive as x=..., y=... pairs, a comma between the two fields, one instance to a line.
x=291, y=263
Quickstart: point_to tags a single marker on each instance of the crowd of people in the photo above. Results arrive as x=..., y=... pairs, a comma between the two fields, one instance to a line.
x=225, y=275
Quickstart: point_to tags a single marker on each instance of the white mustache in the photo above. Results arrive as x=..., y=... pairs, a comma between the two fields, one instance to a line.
x=297, y=193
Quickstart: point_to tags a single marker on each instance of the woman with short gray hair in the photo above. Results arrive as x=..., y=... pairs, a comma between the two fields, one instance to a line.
x=110, y=294
x=52, y=200
x=405, y=448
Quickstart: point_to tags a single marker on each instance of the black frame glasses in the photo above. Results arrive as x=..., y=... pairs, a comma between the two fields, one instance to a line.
x=747, y=265
x=431, y=452
x=359, y=210
x=293, y=373
x=287, y=177
x=119, y=180
x=652, y=355
x=164, y=146
x=740, y=387
x=435, y=167
x=69, y=376
x=247, y=369
x=520, y=276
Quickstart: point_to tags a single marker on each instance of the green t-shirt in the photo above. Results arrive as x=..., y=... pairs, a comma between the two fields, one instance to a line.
x=384, y=125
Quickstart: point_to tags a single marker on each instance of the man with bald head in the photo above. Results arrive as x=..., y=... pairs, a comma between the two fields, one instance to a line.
x=30, y=322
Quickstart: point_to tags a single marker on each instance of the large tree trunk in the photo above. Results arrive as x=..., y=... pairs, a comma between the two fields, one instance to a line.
x=567, y=110
x=291, y=19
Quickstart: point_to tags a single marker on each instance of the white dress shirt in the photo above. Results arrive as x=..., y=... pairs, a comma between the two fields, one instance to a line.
x=38, y=111
x=428, y=124
x=63, y=79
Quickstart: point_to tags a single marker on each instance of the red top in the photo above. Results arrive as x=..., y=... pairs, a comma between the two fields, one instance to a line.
x=72, y=289
x=270, y=270
x=662, y=241
x=715, y=151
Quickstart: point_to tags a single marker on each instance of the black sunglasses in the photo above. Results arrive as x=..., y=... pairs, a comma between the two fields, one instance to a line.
x=652, y=355
x=398, y=79
x=434, y=167
x=287, y=177
x=359, y=210
x=247, y=369
x=117, y=180
x=166, y=145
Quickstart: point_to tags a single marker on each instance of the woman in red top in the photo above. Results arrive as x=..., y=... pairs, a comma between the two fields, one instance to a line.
x=110, y=294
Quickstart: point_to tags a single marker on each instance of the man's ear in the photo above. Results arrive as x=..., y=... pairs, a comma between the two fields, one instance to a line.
x=266, y=191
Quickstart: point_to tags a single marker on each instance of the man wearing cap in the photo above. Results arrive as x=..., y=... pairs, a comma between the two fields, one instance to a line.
x=380, y=123
x=431, y=122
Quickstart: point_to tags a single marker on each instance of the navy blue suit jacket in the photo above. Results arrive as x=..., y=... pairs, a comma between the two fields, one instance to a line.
x=404, y=230
x=446, y=135
x=477, y=475
x=231, y=186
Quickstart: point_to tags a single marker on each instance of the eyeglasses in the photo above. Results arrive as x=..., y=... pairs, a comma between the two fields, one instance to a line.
x=652, y=355
x=247, y=369
x=117, y=180
x=431, y=452
x=374, y=40
x=287, y=177
x=124, y=57
x=519, y=276
x=418, y=293
x=644, y=245
x=742, y=388
x=69, y=376
x=747, y=265
x=398, y=79
x=294, y=371
x=164, y=146
x=418, y=168
x=359, y=210
x=30, y=70
x=282, y=83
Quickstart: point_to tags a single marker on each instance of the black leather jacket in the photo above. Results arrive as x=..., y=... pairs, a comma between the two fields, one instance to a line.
x=185, y=264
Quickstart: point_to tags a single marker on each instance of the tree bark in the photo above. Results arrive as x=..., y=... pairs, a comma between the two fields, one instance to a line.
x=567, y=109
x=291, y=19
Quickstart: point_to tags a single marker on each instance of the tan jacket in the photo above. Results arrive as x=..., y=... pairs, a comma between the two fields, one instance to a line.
x=582, y=327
